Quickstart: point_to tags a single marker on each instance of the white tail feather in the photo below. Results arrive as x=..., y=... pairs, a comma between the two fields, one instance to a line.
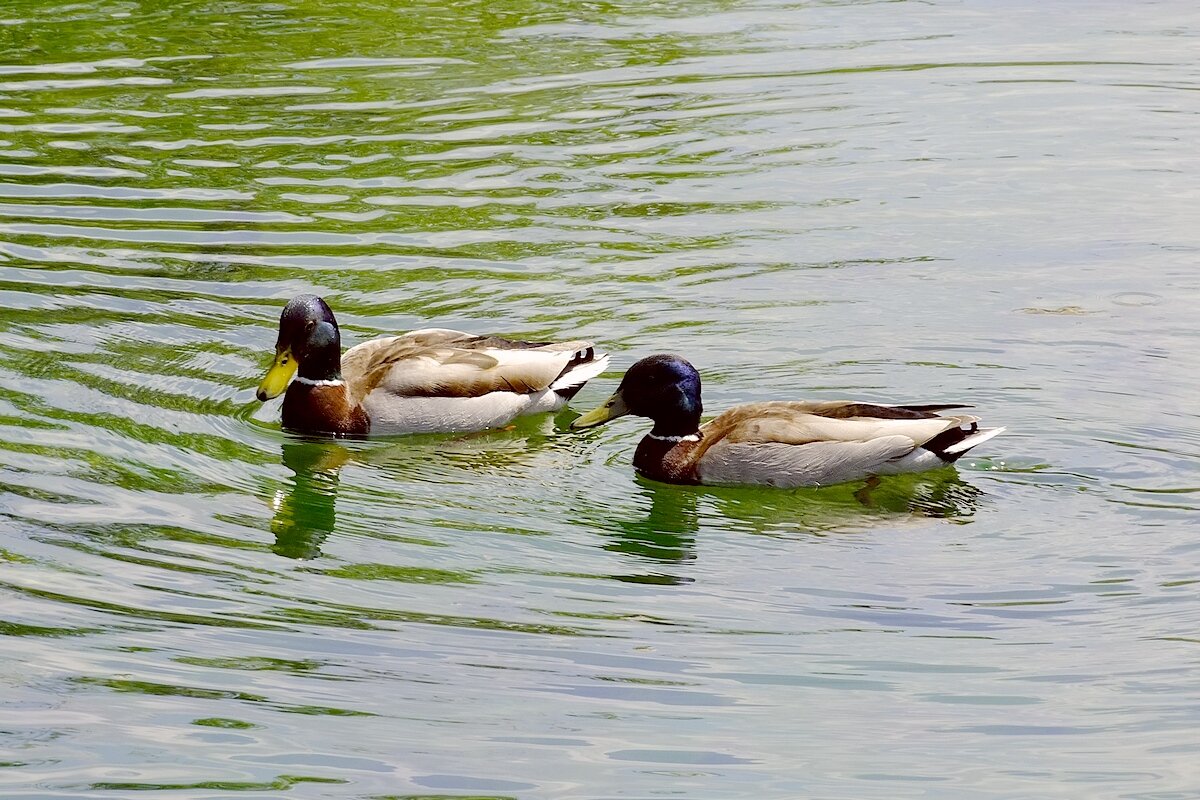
x=581, y=373
x=977, y=438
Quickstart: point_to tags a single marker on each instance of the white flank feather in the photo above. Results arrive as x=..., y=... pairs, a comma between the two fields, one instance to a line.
x=791, y=466
x=391, y=414
x=918, y=460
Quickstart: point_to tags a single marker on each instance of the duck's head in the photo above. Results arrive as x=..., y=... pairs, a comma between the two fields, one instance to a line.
x=665, y=388
x=309, y=341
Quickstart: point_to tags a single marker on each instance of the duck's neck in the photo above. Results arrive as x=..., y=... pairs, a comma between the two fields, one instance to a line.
x=678, y=426
x=322, y=366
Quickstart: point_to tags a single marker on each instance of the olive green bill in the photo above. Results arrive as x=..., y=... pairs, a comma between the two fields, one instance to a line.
x=613, y=407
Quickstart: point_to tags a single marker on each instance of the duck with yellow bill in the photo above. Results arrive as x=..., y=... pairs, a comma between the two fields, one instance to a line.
x=428, y=381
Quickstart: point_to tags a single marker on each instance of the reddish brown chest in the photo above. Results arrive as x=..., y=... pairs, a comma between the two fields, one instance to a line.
x=323, y=409
x=666, y=460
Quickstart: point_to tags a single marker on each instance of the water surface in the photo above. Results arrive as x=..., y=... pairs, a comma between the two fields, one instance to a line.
x=904, y=201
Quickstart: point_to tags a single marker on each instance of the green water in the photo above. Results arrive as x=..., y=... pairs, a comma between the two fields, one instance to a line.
x=904, y=201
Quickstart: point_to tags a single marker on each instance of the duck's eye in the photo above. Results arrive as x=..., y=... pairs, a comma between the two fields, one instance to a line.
x=308, y=326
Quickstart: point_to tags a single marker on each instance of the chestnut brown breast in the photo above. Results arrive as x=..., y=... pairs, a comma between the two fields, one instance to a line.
x=323, y=409
x=668, y=461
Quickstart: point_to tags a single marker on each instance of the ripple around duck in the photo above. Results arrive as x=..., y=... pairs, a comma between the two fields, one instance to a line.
x=801, y=208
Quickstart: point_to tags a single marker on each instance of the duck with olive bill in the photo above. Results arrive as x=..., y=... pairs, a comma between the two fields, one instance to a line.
x=779, y=443
x=428, y=381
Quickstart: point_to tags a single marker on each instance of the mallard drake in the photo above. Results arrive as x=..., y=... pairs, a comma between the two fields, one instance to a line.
x=786, y=444
x=432, y=380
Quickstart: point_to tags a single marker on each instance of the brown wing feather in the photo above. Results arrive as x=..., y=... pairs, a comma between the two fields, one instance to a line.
x=845, y=410
x=803, y=423
x=365, y=365
x=441, y=363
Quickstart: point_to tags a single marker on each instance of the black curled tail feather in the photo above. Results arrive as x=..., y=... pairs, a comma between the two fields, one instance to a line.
x=582, y=356
x=947, y=439
x=952, y=444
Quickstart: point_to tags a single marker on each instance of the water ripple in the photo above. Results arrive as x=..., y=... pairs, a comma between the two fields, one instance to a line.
x=892, y=201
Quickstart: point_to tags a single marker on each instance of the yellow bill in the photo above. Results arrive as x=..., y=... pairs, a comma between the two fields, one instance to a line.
x=278, y=375
x=614, y=407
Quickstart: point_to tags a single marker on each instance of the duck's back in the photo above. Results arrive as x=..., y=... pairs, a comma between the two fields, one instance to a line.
x=445, y=380
x=793, y=444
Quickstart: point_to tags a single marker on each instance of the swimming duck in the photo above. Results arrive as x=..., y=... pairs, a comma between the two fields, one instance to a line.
x=786, y=444
x=432, y=380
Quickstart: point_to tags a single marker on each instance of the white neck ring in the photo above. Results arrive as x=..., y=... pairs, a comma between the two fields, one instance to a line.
x=312, y=382
x=691, y=437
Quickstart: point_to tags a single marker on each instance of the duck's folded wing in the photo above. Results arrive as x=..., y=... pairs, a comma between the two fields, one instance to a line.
x=441, y=363
x=795, y=465
x=364, y=362
x=841, y=409
x=802, y=423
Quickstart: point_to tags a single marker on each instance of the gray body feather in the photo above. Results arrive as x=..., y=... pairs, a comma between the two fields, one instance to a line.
x=791, y=465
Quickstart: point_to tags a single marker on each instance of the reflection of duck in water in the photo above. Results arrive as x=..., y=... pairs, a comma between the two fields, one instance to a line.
x=433, y=380
x=785, y=444
x=666, y=533
x=305, y=514
x=845, y=508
